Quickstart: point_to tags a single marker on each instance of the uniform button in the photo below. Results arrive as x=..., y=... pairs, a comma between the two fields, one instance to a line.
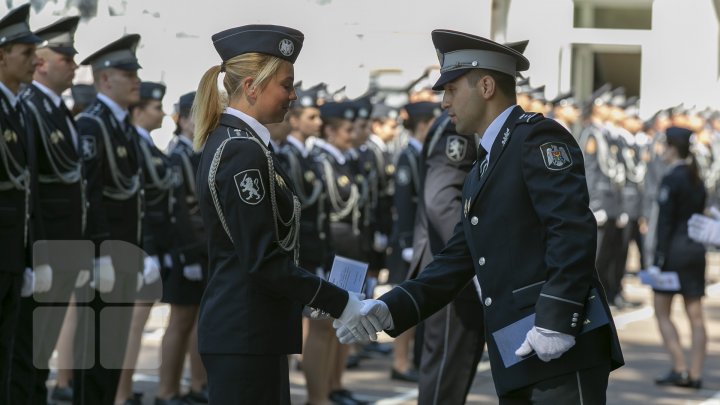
x=488, y=301
x=575, y=315
x=481, y=261
x=572, y=325
x=87, y=205
x=474, y=220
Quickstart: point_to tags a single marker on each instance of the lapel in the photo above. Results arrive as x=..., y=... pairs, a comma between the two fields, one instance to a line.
x=232, y=121
x=57, y=116
x=12, y=117
x=496, y=152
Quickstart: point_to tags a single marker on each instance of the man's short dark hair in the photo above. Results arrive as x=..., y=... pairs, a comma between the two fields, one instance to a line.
x=504, y=82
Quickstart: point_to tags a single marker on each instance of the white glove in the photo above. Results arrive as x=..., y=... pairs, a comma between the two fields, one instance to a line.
x=82, y=278
x=704, y=229
x=28, y=283
x=622, y=220
x=380, y=242
x=407, y=254
x=151, y=269
x=43, y=278
x=546, y=343
x=168, y=260
x=103, y=275
x=600, y=217
x=374, y=317
x=351, y=319
x=193, y=272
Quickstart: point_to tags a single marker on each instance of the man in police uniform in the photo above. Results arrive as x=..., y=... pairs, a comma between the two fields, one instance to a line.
x=526, y=232
x=115, y=193
x=62, y=202
x=17, y=64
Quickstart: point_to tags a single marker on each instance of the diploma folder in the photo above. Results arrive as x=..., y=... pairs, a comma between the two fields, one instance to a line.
x=511, y=337
x=348, y=274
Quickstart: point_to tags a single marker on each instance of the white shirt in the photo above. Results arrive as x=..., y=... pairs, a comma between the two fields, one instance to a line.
x=256, y=126
x=415, y=144
x=118, y=112
x=296, y=143
x=56, y=100
x=335, y=152
x=9, y=94
x=378, y=141
x=145, y=134
x=492, y=131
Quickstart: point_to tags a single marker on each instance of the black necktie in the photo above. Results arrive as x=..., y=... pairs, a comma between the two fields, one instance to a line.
x=482, y=154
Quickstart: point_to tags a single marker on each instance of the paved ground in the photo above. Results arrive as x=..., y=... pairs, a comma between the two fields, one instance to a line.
x=630, y=385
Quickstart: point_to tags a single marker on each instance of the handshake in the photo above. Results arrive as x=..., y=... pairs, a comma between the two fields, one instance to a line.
x=361, y=321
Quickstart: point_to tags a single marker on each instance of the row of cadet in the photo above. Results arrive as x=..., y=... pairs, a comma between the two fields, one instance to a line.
x=96, y=223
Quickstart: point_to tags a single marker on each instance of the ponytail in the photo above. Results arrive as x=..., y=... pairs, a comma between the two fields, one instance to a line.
x=207, y=107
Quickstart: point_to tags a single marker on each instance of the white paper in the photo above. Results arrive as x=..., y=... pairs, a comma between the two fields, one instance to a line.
x=664, y=281
x=348, y=274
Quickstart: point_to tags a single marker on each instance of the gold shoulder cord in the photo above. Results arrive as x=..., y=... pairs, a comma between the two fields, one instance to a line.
x=290, y=241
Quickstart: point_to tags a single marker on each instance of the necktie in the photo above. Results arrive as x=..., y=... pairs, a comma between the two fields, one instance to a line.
x=482, y=157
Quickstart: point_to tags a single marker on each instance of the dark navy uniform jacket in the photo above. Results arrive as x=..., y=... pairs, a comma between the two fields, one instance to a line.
x=528, y=234
x=407, y=187
x=114, y=176
x=255, y=292
x=160, y=199
x=15, y=188
x=306, y=177
x=61, y=186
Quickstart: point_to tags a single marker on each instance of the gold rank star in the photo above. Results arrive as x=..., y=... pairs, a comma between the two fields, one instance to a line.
x=343, y=181
x=10, y=136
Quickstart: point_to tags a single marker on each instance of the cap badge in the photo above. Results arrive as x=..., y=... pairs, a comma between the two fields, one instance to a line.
x=286, y=47
x=157, y=94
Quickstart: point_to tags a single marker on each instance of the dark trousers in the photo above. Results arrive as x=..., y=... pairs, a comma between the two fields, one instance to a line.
x=583, y=387
x=451, y=353
x=10, y=285
x=610, y=242
x=101, y=339
x=41, y=318
x=236, y=379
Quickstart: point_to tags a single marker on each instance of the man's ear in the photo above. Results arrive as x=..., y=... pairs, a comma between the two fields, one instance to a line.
x=487, y=86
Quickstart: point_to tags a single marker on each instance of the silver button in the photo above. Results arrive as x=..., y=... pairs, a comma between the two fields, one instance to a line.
x=575, y=315
x=481, y=261
x=572, y=325
x=474, y=220
x=488, y=301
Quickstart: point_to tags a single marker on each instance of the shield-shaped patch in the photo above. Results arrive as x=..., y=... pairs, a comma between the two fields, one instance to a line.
x=89, y=149
x=555, y=155
x=403, y=176
x=250, y=186
x=456, y=148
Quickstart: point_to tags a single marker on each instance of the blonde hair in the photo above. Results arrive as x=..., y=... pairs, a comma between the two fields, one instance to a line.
x=209, y=102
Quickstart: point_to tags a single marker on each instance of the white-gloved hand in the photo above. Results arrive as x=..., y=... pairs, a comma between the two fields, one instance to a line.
x=546, y=343
x=380, y=242
x=151, y=269
x=103, y=275
x=407, y=254
x=168, y=261
x=704, y=229
x=318, y=314
x=82, y=278
x=374, y=317
x=193, y=272
x=43, y=278
x=622, y=220
x=601, y=217
x=28, y=283
x=351, y=318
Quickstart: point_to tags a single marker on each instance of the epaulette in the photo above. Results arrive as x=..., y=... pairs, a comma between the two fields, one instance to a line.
x=529, y=118
x=95, y=109
x=235, y=133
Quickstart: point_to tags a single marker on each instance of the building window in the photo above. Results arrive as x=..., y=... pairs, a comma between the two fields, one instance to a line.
x=613, y=14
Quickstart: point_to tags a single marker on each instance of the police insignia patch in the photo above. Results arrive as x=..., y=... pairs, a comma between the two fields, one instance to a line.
x=456, y=148
x=664, y=194
x=556, y=156
x=250, y=186
x=286, y=47
x=403, y=175
x=89, y=149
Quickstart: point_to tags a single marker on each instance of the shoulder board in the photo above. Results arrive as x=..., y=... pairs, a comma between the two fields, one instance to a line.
x=529, y=118
x=234, y=133
x=95, y=109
